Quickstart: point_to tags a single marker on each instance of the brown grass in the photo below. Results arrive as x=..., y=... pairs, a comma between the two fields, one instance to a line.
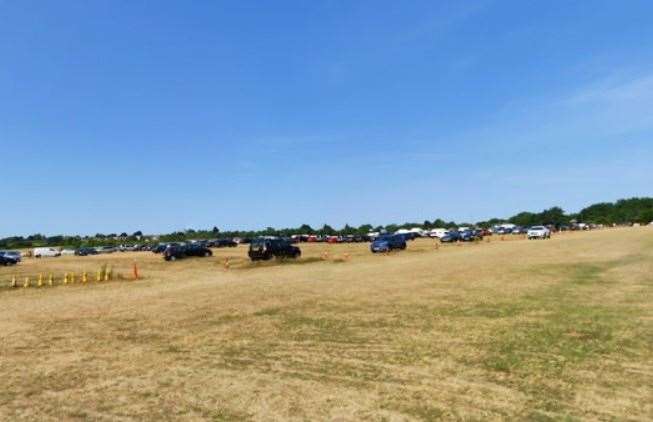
x=515, y=329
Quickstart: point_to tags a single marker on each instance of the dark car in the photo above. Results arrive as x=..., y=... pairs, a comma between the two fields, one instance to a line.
x=224, y=243
x=15, y=255
x=6, y=260
x=86, y=251
x=161, y=247
x=386, y=243
x=450, y=237
x=467, y=235
x=264, y=249
x=175, y=252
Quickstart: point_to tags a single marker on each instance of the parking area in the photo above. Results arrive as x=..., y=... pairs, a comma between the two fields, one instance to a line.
x=494, y=330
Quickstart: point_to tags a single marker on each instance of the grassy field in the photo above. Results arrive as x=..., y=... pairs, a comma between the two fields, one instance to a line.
x=516, y=329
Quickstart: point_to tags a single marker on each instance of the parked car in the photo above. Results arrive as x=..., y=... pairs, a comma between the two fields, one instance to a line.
x=387, y=243
x=106, y=249
x=46, y=252
x=438, y=233
x=85, y=251
x=450, y=237
x=504, y=230
x=67, y=252
x=6, y=260
x=519, y=230
x=224, y=243
x=264, y=249
x=538, y=232
x=469, y=235
x=128, y=248
x=12, y=254
x=174, y=252
x=161, y=247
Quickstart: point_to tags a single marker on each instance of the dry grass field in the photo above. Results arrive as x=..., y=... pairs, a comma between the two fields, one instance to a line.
x=532, y=330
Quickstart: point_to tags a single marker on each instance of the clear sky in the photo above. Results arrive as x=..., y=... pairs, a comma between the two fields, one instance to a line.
x=159, y=116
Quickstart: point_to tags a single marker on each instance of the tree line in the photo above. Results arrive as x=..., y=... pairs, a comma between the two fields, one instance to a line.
x=623, y=211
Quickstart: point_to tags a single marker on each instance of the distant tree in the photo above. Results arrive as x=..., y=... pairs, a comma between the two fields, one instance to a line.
x=347, y=230
x=123, y=234
x=553, y=215
x=364, y=229
x=525, y=219
x=327, y=230
x=137, y=233
x=215, y=230
x=305, y=229
x=646, y=216
x=439, y=223
x=391, y=228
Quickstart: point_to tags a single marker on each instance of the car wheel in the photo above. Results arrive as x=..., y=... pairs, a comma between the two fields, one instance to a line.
x=207, y=254
x=173, y=258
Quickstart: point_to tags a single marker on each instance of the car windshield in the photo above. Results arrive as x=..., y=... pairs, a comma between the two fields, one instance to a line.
x=537, y=228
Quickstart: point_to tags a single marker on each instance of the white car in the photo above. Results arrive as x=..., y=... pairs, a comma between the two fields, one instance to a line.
x=46, y=252
x=67, y=252
x=438, y=233
x=538, y=232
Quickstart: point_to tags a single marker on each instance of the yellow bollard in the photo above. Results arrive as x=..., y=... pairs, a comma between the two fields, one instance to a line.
x=84, y=277
x=98, y=275
x=50, y=280
x=65, y=278
x=72, y=278
x=40, y=283
x=13, y=281
x=226, y=264
x=107, y=277
x=26, y=283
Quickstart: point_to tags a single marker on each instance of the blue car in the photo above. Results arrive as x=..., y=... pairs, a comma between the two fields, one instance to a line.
x=388, y=243
x=451, y=237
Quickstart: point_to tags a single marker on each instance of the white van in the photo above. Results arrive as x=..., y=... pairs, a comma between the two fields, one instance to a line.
x=45, y=252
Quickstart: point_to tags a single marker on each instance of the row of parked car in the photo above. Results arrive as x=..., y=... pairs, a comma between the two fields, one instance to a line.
x=264, y=248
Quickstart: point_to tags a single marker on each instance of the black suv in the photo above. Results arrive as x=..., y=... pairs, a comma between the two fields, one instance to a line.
x=264, y=249
x=175, y=252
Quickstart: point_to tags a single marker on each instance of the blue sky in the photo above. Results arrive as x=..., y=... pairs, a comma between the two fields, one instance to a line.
x=158, y=116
